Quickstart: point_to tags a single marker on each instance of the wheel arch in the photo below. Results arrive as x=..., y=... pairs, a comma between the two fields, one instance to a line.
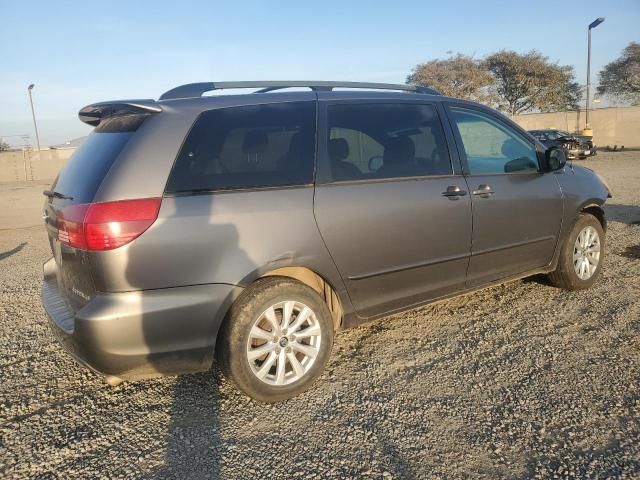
x=597, y=211
x=317, y=282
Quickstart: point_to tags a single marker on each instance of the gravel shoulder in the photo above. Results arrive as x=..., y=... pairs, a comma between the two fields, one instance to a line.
x=517, y=381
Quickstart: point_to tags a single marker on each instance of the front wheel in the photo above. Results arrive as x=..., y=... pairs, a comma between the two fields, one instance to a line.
x=581, y=256
x=276, y=339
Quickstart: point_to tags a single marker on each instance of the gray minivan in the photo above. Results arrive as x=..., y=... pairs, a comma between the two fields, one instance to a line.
x=249, y=228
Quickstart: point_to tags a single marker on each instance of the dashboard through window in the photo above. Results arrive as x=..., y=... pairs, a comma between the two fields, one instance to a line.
x=490, y=146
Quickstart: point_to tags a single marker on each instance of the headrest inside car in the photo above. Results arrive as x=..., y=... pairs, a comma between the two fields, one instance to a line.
x=399, y=150
x=255, y=141
x=338, y=149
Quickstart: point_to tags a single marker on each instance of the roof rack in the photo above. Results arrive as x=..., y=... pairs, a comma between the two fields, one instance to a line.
x=192, y=90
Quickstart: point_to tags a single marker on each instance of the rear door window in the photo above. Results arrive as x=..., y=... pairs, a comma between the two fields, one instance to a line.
x=247, y=147
x=381, y=141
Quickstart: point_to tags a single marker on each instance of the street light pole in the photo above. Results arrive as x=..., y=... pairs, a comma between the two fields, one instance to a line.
x=592, y=25
x=33, y=114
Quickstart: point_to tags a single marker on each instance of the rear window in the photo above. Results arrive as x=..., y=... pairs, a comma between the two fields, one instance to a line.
x=81, y=176
x=247, y=147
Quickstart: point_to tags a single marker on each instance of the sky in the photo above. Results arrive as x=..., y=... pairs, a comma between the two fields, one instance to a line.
x=81, y=52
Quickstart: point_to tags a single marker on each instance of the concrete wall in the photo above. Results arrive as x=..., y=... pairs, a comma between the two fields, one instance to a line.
x=611, y=126
x=32, y=165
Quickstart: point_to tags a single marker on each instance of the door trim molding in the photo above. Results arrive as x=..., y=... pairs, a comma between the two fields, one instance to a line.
x=409, y=267
x=512, y=245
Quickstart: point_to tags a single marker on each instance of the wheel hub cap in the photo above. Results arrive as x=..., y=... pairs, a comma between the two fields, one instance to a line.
x=586, y=253
x=283, y=343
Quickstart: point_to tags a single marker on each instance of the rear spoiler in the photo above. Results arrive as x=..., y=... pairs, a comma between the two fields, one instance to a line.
x=94, y=113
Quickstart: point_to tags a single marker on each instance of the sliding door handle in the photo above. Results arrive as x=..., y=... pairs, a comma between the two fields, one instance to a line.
x=453, y=192
x=483, y=191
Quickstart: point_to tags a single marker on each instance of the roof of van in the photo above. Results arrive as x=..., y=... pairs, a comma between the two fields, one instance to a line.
x=191, y=96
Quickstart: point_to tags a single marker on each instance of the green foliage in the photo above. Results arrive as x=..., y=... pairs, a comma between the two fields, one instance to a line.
x=459, y=76
x=621, y=78
x=4, y=146
x=525, y=82
x=510, y=81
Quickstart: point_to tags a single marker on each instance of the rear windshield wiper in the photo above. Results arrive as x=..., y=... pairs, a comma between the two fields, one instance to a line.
x=54, y=194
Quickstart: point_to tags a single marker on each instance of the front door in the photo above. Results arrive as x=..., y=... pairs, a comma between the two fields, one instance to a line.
x=392, y=210
x=517, y=209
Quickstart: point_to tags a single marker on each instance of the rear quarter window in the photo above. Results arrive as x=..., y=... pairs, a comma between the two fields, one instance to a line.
x=247, y=147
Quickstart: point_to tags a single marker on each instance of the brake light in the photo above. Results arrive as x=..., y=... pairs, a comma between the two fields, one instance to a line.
x=106, y=225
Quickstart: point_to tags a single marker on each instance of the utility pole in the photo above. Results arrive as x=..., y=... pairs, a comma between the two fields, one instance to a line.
x=33, y=114
x=592, y=25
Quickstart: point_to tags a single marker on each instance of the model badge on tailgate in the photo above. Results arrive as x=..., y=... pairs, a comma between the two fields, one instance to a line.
x=80, y=294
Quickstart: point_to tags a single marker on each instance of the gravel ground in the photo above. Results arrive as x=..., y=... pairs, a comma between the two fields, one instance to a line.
x=517, y=381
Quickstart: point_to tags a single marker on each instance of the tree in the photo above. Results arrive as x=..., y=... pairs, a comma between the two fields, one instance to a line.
x=621, y=78
x=4, y=146
x=529, y=81
x=459, y=76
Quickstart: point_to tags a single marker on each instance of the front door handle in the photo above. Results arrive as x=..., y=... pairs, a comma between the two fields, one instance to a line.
x=483, y=191
x=453, y=192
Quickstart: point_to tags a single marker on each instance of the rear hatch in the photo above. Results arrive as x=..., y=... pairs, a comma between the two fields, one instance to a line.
x=70, y=196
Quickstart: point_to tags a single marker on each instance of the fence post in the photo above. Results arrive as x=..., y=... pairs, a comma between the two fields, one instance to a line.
x=24, y=163
x=31, y=165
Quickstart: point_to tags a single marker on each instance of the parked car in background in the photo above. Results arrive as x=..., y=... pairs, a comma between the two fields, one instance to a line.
x=250, y=228
x=574, y=146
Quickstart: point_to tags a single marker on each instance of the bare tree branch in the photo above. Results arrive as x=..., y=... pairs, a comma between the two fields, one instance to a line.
x=621, y=78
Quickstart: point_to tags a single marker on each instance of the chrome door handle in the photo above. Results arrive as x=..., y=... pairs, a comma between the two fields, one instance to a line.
x=453, y=192
x=483, y=191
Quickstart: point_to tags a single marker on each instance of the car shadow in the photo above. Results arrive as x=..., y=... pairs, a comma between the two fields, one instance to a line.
x=13, y=251
x=540, y=279
x=629, y=214
x=193, y=441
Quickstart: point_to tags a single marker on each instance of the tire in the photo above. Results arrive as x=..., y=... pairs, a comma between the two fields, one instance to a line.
x=567, y=274
x=250, y=329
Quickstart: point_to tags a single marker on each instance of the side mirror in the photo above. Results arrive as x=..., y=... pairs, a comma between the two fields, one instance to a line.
x=556, y=159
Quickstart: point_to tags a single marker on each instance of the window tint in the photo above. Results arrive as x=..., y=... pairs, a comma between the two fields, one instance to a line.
x=553, y=135
x=492, y=147
x=244, y=147
x=384, y=141
x=82, y=175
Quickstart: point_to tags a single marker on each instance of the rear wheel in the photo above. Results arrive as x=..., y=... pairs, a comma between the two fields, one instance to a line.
x=276, y=340
x=581, y=256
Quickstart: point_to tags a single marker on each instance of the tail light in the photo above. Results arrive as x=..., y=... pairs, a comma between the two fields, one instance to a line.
x=106, y=225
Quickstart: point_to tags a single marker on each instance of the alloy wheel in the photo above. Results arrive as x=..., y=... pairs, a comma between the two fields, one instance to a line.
x=283, y=343
x=586, y=253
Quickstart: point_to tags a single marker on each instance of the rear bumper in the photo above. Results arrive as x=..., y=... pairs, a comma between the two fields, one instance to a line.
x=141, y=334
